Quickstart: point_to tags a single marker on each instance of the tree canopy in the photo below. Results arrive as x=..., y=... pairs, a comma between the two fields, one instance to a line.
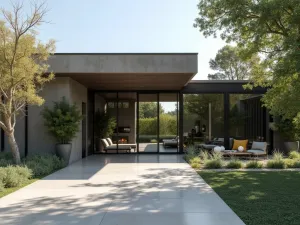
x=231, y=65
x=270, y=28
x=23, y=66
x=149, y=109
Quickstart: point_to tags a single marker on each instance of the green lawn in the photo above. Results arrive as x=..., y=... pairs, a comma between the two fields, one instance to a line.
x=11, y=190
x=259, y=198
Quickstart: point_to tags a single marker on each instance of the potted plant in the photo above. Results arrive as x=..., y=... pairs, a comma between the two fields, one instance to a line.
x=104, y=126
x=63, y=122
x=288, y=133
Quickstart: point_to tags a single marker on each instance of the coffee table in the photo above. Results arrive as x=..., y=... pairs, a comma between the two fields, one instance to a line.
x=236, y=153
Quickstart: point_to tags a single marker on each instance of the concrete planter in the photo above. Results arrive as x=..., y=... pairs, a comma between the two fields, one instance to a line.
x=291, y=146
x=64, y=151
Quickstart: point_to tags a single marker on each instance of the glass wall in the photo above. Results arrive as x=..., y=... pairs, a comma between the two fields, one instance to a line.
x=203, y=118
x=247, y=117
x=147, y=123
x=105, y=121
x=168, y=123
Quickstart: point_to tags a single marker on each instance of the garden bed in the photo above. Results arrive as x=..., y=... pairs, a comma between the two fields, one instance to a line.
x=216, y=161
x=14, y=177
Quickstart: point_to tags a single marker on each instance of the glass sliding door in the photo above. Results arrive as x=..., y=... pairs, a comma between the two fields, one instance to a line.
x=168, y=123
x=203, y=119
x=127, y=121
x=147, y=132
x=105, y=123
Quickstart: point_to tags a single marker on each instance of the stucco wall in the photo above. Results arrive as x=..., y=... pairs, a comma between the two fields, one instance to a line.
x=39, y=140
x=78, y=96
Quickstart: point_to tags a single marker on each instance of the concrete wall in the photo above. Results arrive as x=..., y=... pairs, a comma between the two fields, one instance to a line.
x=39, y=139
x=124, y=63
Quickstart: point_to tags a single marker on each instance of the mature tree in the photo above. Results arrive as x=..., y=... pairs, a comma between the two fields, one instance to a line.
x=149, y=109
x=230, y=64
x=270, y=28
x=23, y=63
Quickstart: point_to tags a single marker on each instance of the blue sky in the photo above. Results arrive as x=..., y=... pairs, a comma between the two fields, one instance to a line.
x=127, y=26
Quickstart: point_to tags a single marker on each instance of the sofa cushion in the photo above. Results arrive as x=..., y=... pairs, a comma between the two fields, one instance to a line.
x=238, y=143
x=109, y=141
x=256, y=152
x=104, y=142
x=259, y=146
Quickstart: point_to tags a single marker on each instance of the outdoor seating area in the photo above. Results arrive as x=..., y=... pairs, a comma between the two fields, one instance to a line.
x=237, y=148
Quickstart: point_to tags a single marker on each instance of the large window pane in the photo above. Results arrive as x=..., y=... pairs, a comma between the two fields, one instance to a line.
x=168, y=123
x=105, y=121
x=203, y=119
x=148, y=135
x=247, y=117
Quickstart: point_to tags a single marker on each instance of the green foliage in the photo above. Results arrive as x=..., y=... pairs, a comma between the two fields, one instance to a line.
x=153, y=141
x=254, y=165
x=277, y=162
x=43, y=165
x=167, y=125
x=270, y=28
x=63, y=120
x=215, y=161
x=234, y=164
x=230, y=64
x=14, y=176
x=149, y=109
x=23, y=63
x=294, y=155
x=287, y=129
x=104, y=124
x=204, y=155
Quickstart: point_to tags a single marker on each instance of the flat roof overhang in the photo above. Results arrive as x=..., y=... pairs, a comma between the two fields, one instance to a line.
x=130, y=71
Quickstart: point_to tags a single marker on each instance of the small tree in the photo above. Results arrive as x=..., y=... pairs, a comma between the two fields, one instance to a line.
x=104, y=124
x=23, y=64
x=62, y=121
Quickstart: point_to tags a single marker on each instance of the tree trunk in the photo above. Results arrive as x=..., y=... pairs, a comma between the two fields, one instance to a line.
x=14, y=148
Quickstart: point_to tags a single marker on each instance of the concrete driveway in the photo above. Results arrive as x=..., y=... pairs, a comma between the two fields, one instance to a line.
x=119, y=190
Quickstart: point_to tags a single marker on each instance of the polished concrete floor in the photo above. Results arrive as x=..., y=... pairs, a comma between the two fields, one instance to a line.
x=119, y=190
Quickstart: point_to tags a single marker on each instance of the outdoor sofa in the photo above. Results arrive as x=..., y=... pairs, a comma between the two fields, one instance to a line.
x=109, y=146
x=171, y=142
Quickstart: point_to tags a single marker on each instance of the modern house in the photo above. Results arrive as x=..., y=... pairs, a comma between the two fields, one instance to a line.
x=123, y=86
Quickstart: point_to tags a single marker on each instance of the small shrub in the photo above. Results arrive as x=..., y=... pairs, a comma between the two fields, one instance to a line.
x=294, y=155
x=195, y=165
x=43, y=165
x=217, y=156
x=213, y=164
x=254, y=165
x=204, y=155
x=292, y=163
x=5, y=162
x=15, y=176
x=195, y=162
x=153, y=141
x=234, y=164
x=6, y=155
x=277, y=162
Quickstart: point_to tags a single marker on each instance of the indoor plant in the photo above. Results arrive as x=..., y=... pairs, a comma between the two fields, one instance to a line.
x=104, y=126
x=63, y=122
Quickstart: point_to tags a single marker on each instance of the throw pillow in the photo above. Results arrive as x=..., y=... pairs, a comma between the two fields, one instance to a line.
x=259, y=146
x=237, y=143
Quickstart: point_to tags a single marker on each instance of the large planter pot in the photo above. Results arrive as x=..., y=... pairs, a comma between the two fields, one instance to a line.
x=64, y=151
x=291, y=146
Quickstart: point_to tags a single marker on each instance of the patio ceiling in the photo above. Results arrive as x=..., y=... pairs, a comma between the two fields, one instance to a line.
x=127, y=71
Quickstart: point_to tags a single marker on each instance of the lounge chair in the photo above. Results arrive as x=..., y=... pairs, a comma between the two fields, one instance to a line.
x=259, y=149
x=171, y=142
x=112, y=144
x=107, y=147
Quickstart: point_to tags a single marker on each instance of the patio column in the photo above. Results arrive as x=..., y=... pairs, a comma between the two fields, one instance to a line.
x=226, y=120
x=180, y=122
